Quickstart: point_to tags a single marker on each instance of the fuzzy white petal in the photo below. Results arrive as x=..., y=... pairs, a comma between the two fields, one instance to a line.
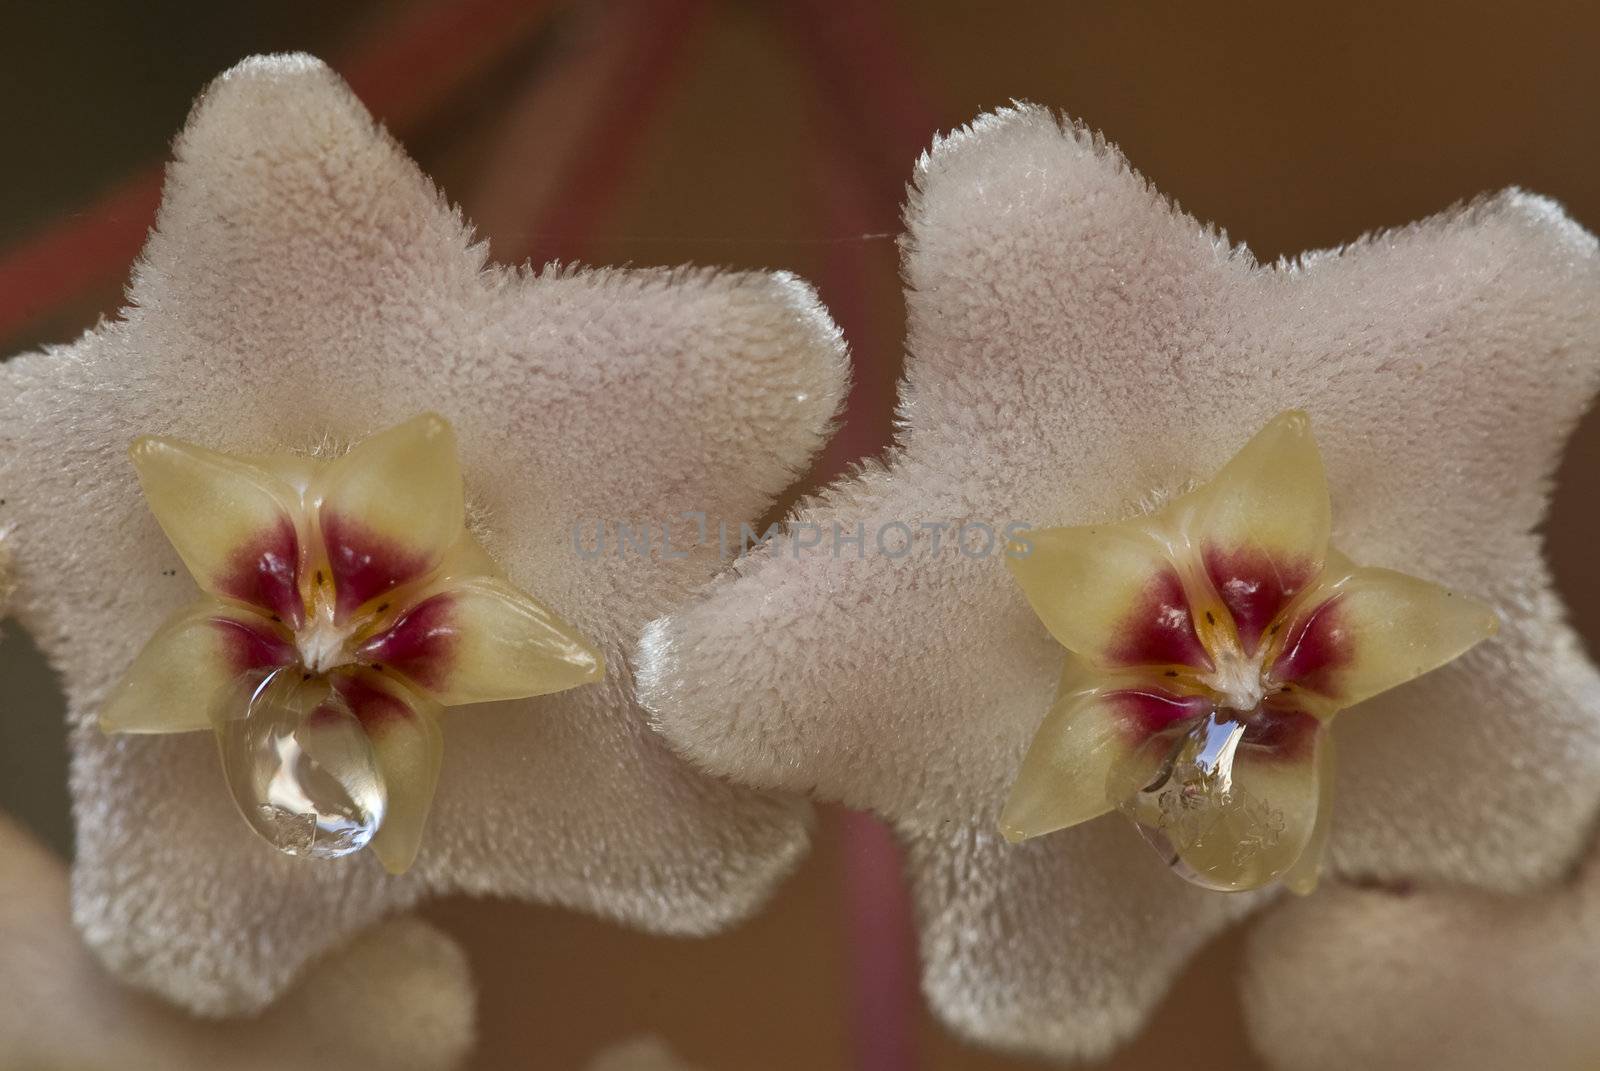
x=307, y=283
x=1078, y=349
x=398, y=997
x=909, y=685
x=1060, y=946
x=1355, y=977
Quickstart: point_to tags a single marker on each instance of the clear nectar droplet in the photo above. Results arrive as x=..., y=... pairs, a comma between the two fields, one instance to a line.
x=1183, y=789
x=301, y=768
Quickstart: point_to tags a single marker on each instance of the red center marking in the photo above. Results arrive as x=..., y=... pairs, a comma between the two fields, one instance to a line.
x=1255, y=588
x=371, y=703
x=364, y=563
x=1160, y=630
x=265, y=573
x=1317, y=646
x=1287, y=733
x=251, y=646
x=420, y=643
x=1283, y=732
x=1147, y=711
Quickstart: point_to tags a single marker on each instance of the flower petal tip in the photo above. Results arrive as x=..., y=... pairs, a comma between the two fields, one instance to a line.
x=143, y=446
x=432, y=428
x=1488, y=618
x=255, y=81
x=1302, y=885
x=394, y=865
x=273, y=65
x=1290, y=422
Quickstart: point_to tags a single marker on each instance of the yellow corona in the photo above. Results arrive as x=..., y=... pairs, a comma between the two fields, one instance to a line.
x=1212, y=643
x=345, y=604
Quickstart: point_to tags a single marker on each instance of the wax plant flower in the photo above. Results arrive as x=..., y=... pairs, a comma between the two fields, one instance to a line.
x=345, y=606
x=305, y=302
x=1083, y=362
x=1215, y=642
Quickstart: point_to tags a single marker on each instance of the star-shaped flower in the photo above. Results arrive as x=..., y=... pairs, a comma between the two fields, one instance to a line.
x=305, y=288
x=1215, y=641
x=1081, y=351
x=345, y=606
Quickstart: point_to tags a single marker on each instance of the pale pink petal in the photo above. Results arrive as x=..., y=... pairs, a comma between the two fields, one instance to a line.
x=1465, y=980
x=908, y=683
x=1079, y=350
x=1060, y=946
x=398, y=996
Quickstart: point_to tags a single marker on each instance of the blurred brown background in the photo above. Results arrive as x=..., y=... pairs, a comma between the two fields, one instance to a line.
x=781, y=135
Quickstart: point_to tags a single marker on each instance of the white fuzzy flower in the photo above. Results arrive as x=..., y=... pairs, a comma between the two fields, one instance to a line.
x=306, y=287
x=1080, y=352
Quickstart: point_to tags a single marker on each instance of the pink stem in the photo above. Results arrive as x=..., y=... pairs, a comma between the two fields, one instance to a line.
x=564, y=227
x=881, y=114
x=869, y=98
x=882, y=947
x=403, y=76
